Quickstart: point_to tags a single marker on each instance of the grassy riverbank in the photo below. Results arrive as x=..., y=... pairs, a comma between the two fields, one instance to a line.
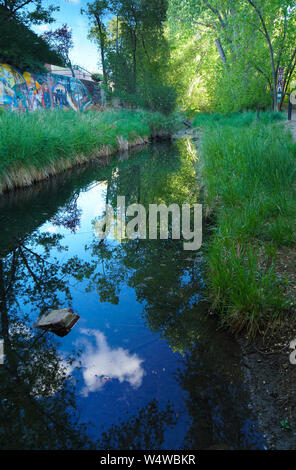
x=248, y=171
x=37, y=145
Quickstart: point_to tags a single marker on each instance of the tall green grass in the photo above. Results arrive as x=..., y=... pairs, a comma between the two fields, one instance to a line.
x=235, y=119
x=249, y=174
x=55, y=139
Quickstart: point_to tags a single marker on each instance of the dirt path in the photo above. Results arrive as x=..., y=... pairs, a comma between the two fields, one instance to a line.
x=271, y=380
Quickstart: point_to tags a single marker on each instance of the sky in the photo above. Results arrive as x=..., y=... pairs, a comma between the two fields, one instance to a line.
x=85, y=52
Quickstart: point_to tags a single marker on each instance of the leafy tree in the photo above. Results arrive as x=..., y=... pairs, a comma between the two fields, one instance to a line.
x=60, y=40
x=275, y=22
x=28, y=11
x=252, y=38
x=22, y=48
x=134, y=51
x=96, y=12
x=193, y=66
x=97, y=77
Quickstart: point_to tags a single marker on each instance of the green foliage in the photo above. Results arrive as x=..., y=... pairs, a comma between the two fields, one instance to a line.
x=160, y=98
x=97, y=77
x=235, y=119
x=22, y=48
x=226, y=55
x=192, y=65
x=285, y=424
x=134, y=52
x=236, y=91
x=251, y=191
x=28, y=11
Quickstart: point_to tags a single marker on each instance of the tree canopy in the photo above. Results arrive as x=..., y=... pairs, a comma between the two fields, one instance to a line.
x=134, y=50
x=22, y=48
x=238, y=48
x=209, y=54
x=28, y=11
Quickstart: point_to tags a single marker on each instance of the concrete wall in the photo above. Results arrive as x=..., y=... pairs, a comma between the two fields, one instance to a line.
x=25, y=91
x=79, y=73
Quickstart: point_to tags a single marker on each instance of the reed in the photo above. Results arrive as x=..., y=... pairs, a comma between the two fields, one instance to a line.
x=249, y=173
x=38, y=145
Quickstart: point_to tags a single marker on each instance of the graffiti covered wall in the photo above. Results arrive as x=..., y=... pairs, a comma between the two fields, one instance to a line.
x=30, y=91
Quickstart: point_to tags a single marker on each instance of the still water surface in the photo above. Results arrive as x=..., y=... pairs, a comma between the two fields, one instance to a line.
x=145, y=367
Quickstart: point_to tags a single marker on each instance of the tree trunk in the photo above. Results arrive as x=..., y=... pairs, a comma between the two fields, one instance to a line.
x=134, y=40
x=102, y=47
x=271, y=52
x=221, y=51
x=71, y=68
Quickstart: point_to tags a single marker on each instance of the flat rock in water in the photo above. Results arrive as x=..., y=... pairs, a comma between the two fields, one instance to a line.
x=59, y=322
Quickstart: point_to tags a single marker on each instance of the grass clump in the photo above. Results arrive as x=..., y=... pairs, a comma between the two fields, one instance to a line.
x=235, y=119
x=37, y=145
x=249, y=175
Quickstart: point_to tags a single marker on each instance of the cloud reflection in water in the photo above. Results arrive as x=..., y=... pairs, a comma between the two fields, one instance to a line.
x=100, y=364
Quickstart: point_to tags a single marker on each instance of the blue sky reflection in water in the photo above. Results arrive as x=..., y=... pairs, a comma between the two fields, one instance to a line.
x=149, y=366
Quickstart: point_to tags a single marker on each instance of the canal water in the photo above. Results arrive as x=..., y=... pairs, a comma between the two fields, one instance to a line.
x=145, y=367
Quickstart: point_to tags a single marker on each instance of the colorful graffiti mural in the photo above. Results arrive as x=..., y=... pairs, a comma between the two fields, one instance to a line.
x=30, y=91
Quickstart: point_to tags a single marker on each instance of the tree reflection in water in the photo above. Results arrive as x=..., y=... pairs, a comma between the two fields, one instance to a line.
x=169, y=283
x=216, y=398
x=37, y=405
x=145, y=430
x=37, y=394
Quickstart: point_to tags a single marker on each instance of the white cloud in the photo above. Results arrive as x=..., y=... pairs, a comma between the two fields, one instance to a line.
x=101, y=364
x=50, y=229
x=41, y=28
